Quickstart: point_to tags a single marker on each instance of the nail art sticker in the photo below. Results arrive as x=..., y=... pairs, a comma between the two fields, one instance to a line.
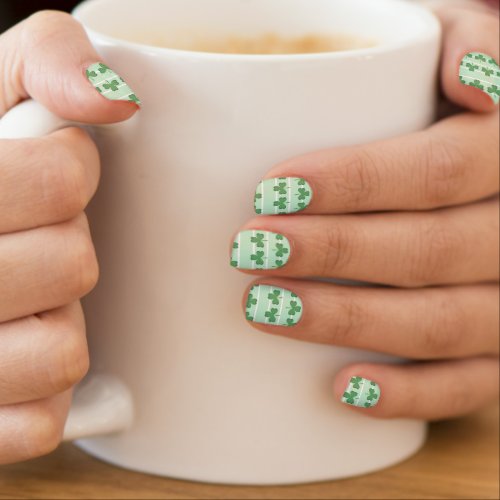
x=282, y=195
x=109, y=84
x=273, y=305
x=254, y=249
x=361, y=392
x=481, y=71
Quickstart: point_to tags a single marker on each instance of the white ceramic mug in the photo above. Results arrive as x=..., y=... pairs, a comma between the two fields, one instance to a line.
x=191, y=391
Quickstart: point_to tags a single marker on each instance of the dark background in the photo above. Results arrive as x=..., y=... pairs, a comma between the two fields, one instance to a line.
x=13, y=11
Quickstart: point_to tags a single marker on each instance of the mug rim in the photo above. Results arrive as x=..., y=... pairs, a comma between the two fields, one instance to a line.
x=434, y=29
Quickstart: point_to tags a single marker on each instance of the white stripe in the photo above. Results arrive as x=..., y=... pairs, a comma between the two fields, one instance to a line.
x=117, y=88
x=361, y=390
x=262, y=197
x=289, y=194
x=269, y=305
x=267, y=251
x=479, y=79
x=257, y=304
x=275, y=207
x=282, y=304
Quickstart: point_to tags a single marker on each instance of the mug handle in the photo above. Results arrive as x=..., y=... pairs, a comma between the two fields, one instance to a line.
x=102, y=404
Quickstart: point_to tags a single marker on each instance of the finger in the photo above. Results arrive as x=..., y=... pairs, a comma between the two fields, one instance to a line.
x=46, y=57
x=470, y=32
x=429, y=391
x=428, y=323
x=45, y=268
x=42, y=355
x=453, y=162
x=48, y=180
x=32, y=429
x=447, y=246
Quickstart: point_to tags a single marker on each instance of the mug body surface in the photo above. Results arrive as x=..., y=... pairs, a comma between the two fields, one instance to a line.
x=214, y=399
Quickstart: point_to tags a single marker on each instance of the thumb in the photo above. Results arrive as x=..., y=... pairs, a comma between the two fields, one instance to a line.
x=49, y=57
x=470, y=71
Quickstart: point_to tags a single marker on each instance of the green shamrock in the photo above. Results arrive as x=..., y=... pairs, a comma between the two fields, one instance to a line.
x=91, y=74
x=258, y=210
x=494, y=89
x=249, y=316
x=355, y=381
x=492, y=61
x=462, y=80
x=279, y=236
x=251, y=301
x=480, y=57
x=469, y=55
x=367, y=405
x=301, y=182
x=274, y=297
x=234, y=263
x=278, y=263
x=235, y=244
x=487, y=71
x=258, y=257
x=271, y=315
x=477, y=84
x=350, y=397
x=294, y=308
x=133, y=98
x=372, y=396
x=112, y=85
x=280, y=188
x=102, y=68
x=301, y=205
x=281, y=251
x=303, y=193
x=293, y=294
x=281, y=203
x=258, y=239
x=472, y=66
x=290, y=321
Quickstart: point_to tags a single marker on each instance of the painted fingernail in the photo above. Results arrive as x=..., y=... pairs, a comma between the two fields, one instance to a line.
x=109, y=84
x=361, y=392
x=273, y=305
x=255, y=249
x=282, y=195
x=481, y=71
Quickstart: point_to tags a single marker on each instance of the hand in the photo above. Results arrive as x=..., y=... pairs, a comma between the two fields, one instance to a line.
x=47, y=260
x=418, y=213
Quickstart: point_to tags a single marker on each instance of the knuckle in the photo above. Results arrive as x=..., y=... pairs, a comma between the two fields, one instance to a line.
x=338, y=243
x=435, y=246
x=355, y=178
x=81, y=270
x=70, y=358
x=349, y=322
x=443, y=331
x=64, y=184
x=44, y=432
x=444, y=171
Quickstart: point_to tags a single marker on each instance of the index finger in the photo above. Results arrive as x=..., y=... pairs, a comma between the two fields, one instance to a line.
x=452, y=162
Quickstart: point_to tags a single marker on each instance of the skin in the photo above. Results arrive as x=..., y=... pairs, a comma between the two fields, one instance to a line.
x=434, y=221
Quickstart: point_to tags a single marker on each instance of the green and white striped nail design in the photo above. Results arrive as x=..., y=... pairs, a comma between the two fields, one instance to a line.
x=255, y=249
x=273, y=305
x=282, y=195
x=481, y=71
x=109, y=84
x=361, y=392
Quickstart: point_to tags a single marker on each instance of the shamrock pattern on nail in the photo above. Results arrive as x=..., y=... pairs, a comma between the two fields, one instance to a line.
x=482, y=72
x=361, y=392
x=252, y=249
x=282, y=195
x=109, y=84
x=273, y=305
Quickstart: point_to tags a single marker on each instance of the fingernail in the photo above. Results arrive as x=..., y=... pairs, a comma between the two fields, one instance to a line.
x=273, y=305
x=481, y=71
x=259, y=250
x=109, y=84
x=282, y=195
x=361, y=392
